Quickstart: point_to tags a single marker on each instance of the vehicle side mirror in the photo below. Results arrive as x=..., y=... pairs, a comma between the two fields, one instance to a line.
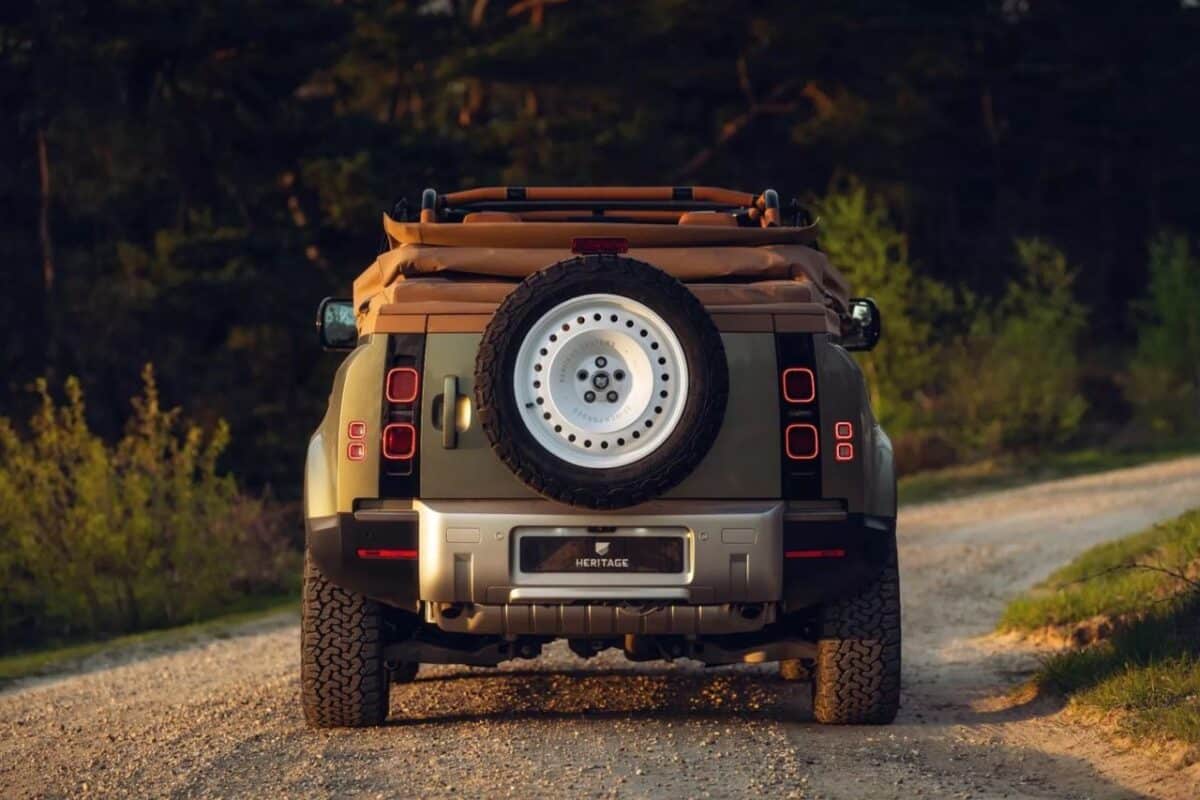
x=336, y=328
x=863, y=326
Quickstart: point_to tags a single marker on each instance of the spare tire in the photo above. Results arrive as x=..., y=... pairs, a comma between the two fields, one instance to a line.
x=601, y=381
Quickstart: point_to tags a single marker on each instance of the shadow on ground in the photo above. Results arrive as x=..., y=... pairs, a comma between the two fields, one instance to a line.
x=538, y=694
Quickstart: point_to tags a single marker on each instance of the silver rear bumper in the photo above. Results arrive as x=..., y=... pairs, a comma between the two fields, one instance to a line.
x=470, y=580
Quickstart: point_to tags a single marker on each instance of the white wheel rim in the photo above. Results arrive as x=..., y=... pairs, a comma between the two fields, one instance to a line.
x=604, y=392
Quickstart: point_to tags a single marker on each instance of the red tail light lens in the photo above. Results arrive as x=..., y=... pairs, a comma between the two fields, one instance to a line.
x=399, y=441
x=383, y=553
x=836, y=552
x=802, y=442
x=799, y=385
x=403, y=385
x=356, y=451
x=843, y=431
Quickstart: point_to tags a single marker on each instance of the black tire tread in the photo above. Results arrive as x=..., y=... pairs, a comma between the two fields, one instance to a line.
x=343, y=681
x=683, y=456
x=856, y=678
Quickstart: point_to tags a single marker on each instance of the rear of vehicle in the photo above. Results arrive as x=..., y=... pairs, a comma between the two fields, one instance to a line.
x=625, y=418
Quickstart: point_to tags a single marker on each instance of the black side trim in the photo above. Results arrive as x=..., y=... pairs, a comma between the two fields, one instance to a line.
x=402, y=479
x=515, y=192
x=865, y=542
x=333, y=544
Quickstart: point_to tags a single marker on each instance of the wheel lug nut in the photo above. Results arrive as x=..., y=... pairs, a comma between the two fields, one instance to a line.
x=612, y=397
x=601, y=362
x=589, y=396
x=582, y=375
x=619, y=374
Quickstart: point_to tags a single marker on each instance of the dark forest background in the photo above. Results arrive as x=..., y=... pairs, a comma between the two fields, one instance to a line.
x=1015, y=180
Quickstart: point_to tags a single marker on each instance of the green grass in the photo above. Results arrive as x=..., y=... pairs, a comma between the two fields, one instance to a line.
x=1101, y=580
x=59, y=658
x=1147, y=674
x=1010, y=471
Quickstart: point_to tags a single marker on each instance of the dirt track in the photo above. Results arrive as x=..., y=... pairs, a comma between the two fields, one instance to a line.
x=222, y=719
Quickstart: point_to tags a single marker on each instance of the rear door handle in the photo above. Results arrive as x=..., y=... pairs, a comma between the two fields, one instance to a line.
x=449, y=411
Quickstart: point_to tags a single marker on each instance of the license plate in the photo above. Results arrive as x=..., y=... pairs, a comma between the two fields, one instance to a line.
x=657, y=554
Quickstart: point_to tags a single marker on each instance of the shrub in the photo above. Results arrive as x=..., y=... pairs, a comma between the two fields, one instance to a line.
x=1014, y=379
x=1165, y=377
x=98, y=539
x=861, y=240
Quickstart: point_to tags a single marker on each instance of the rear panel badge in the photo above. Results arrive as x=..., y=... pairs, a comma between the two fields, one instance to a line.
x=601, y=560
x=653, y=554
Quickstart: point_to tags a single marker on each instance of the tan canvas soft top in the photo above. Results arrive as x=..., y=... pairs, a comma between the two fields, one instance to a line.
x=468, y=266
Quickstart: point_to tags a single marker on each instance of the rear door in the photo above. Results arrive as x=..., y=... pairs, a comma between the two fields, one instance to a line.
x=743, y=463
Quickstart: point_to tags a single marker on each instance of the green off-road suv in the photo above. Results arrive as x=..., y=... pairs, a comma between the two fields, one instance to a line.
x=624, y=417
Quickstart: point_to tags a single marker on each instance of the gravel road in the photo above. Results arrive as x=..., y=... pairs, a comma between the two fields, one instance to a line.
x=222, y=718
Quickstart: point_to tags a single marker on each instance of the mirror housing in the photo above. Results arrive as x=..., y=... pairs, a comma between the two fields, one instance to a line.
x=862, y=326
x=336, y=327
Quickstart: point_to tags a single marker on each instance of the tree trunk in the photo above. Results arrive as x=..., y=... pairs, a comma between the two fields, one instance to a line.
x=44, y=215
x=48, y=332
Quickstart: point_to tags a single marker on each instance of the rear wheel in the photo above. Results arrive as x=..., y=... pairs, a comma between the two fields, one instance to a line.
x=856, y=677
x=343, y=681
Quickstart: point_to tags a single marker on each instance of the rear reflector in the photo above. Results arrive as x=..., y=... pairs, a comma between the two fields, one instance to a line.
x=356, y=429
x=399, y=441
x=403, y=383
x=599, y=244
x=386, y=554
x=843, y=431
x=356, y=451
x=844, y=451
x=801, y=441
x=835, y=553
x=799, y=385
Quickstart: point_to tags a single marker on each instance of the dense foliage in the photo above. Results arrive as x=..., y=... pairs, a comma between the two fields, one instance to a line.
x=183, y=181
x=101, y=539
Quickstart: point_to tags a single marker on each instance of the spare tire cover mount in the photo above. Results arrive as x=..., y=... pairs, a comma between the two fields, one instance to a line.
x=601, y=381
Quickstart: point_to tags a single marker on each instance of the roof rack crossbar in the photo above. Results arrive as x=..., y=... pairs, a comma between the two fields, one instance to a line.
x=592, y=205
x=708, y=194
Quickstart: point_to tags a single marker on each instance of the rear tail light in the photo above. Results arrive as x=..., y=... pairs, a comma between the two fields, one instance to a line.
x=802, y=442
x=400, y=441
x=843, y=432
x=356, y=448
x=799, y=416
x=799, y=385
x=403, y=385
